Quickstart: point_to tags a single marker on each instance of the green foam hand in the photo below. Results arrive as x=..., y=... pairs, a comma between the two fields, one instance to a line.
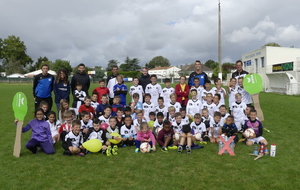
x=19, y=106
x=253, y=83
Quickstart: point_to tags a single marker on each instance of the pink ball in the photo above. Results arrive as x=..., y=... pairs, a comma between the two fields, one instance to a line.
x=104, y=126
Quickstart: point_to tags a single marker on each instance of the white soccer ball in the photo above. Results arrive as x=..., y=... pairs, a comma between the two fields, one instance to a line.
x=145, y=147
x=177, y=136
x=249, y=132
x=157, y=130
x=198, y=136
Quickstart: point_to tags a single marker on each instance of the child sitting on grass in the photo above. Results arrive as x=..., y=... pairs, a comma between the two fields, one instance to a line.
x=54, y=126
x=41, y=134
x=67, y=126
x=128, y=132
x=257, y=126
x=165, y=137
x=144, y=135
x=229, y=129
x=86, y=122
x=199, y=127
x=72, y=143
x=113, y=128
x=215, y=130
x=186, y=138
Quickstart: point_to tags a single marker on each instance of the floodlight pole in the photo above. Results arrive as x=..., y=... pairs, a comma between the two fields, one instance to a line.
x=219, y=43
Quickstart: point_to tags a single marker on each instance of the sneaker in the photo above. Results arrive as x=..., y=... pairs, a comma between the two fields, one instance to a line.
x=179, y=149
x=137, y=150
x=67, y=153
x=172, y=147
x=81, y=154
x=108, y=151
x=114, y=150
x=188, y=149
x=124, y=145
x=164, y=149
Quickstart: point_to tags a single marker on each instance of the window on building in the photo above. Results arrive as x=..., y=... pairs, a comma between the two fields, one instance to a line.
x=262, y=61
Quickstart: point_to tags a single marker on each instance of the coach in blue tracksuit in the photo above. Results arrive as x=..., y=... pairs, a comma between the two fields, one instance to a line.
x=199, y=74
x=42, y=87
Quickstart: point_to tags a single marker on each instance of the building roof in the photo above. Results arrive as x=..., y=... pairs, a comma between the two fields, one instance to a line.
x=191, y=67
x=161, y=68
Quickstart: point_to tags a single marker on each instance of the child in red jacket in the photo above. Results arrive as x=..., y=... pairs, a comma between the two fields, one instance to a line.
x=182, y=91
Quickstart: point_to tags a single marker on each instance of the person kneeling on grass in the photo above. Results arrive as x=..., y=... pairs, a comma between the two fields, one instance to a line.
x=229, y=129
x=165, y=137
x=256, y=125
x=144, y=135
x=97, y=133
x=73, y=141
x=41, y=134
x=186, y=139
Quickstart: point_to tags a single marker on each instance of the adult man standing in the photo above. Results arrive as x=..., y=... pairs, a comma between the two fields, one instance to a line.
x=81, y=77
x=111, y=82
x=199, y=74
x=145, y=78
x=42, y=87
x=239, y=70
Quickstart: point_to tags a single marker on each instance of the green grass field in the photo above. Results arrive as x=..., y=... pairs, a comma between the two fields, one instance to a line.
x=204, y=168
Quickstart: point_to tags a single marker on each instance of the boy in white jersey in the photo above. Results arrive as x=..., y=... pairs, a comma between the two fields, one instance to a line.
x=167, y=91
x=73, y=141
x=232, y=90
x=224, y=114
x=198, y=88
x=128, y=132
x=94, y=102
x=206, y=90
x=85, y=121
x=148, y=106
x=161, y=107
x=154, y=89
x=105, y=117
x=137, y=122
x=177, y=125
x=185, y=118
x=194, y=105
x=216, y=101
x=171, y=114
x=215, y=128
x=218, y=89
x=238, y=111
x=136, y=88
x=209, y=105
x=158, y=123
x=246, y=97
x=173, y=102
x=199, y=128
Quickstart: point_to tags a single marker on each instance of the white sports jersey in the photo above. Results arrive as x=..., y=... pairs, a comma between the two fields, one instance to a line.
x=246, y=97
x=110, y=85
x=216, y=127
x=199, y=92
x=171, y=119
x=238, y=110
x=232, y=92
x=94, y=104
x=137, y=89
x=217, y=108
x=177, y=106
x=54, y=127
x=155, y=91
x=157, y=124
x=164, y=110
x=193, y=107
x=223, y=119
x=165, y=93
x=198, y=128
x=76, y=140
x=137, y=123
x=86, y=125
x=81, y=95
x=147, y=109
x=128, y=131
x=111, y=130
x=96, y=135
x=177, y=127
x=204, y=92
x=216, y=91
x=104, y=119
x=210, y=107
x=185, y=120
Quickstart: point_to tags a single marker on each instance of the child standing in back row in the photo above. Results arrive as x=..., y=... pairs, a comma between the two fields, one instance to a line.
x=120, y=89
x=154, y=89
x=182, y=91
x=101, y=90
x=167, y=91
x=136, y=88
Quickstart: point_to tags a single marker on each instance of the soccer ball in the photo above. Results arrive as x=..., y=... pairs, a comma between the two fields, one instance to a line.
x=249, y=132
x=145, y=147
x=157, y=130
x=177, y=136
x=198, y=136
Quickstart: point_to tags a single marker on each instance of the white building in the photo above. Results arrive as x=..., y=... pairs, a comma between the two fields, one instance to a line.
x=165, y=72
x=278, y=66
x=15, y=75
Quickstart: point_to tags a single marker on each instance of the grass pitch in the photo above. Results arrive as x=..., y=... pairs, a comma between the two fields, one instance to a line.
x=204, y=168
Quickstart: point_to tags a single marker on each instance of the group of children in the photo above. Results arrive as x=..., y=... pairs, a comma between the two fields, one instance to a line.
x=175, y=118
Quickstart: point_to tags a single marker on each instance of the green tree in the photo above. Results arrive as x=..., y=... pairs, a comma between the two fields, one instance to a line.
x=40, y=61
x=111, y=63
x=226, y=68
x=13, y=55
x=272, y=44
x=130, y=64
x=211, y=64
x=158, y=61
x=61, y=64
x=99, y=72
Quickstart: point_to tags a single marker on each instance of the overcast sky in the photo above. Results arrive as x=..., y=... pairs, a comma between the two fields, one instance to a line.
x=95, y=31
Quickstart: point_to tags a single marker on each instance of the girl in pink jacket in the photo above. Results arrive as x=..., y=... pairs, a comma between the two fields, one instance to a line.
x=144, y=135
